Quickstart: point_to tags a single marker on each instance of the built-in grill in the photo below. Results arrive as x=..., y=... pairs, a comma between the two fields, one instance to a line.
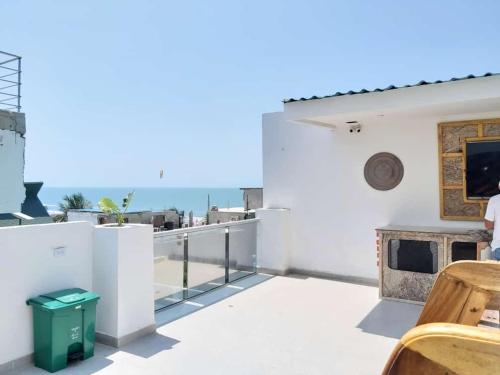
x=410, y=257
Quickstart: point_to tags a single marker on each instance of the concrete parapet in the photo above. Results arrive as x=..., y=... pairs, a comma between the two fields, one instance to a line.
x=14, y=121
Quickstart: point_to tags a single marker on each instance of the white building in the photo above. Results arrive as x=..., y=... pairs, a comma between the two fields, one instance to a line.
x=15, y=196
x=12, y=142
x=313, y=165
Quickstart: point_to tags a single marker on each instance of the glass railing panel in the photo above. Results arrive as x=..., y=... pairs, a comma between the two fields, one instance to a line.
x=206, y=260
x=168, y=269
x=242, y=250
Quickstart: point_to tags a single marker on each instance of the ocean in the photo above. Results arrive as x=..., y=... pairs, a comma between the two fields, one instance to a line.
x=187, y=199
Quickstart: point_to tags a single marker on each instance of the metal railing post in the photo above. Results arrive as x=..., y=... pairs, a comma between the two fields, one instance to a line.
x=19, y=84
x=226, y=257
x=177, y=254
x=185, y=293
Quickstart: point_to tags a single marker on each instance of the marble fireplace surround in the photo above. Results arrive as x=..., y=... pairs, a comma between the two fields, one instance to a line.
x=415, y=286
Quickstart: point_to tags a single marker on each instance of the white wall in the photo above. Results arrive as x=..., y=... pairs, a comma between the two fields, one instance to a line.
x=91, y=217
x=318, y=173
x=12, y=190
x=37, y=259
x=123, y=277
x=273, y=240
x=136, y=278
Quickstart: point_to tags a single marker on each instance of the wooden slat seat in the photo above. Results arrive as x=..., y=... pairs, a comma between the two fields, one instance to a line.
x=446, y=340
x=446, y=349
x=462, y=292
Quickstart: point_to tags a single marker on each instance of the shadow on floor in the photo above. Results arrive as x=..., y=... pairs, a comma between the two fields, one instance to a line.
x=150, y=345
x=146, y=347
x=76, y=367
x=87, y=367
x=305, y=275
x=154, y=343
x=298, y=276
x=187, y=307
x=390, y=319
x=196, y=290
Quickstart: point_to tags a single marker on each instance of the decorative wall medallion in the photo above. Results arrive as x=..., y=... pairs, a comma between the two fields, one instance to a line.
x=384, y=171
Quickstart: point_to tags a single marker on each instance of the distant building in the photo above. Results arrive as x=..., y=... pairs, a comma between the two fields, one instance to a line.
x=252, y=198
x=16, y=196
x=12, y=130
x=19, y=203
x=224, y=215
x=161, y=220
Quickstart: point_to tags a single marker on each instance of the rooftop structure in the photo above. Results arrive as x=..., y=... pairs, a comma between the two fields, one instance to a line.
x=322, y=160
x=10, y=82
x=224, y=215
x=12, y=143
x=295, y=290
x=271, y=325
x=159, y=219
x=16, y=196
x=388, y=88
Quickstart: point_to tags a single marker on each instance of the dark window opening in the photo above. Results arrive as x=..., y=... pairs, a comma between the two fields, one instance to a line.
x=482, y=170
x=413, y=256
x=463, y=251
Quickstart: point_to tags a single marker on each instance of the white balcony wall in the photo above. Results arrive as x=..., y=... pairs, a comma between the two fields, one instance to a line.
x=117, y=263
x=37, y=259
x=273, y=240
x=317, y=173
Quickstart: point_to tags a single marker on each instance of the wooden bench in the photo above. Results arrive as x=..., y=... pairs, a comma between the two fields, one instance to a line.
x=447, y=339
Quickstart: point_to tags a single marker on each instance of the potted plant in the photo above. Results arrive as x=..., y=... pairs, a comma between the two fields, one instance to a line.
x=111, y=208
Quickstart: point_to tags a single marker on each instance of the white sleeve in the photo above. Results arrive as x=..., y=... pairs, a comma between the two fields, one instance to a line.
x=490, y=211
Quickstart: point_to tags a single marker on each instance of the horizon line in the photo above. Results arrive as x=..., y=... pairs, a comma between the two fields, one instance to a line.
x=150, y=187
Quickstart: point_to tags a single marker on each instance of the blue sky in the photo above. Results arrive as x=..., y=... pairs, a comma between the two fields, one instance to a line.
x=116, y=90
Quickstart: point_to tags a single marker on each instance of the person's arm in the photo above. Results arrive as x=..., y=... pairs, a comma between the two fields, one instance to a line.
x=489, y=217
x=489, y=224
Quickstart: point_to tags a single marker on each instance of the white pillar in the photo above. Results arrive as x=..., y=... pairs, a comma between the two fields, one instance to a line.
x=123, y=277
x=273, y=240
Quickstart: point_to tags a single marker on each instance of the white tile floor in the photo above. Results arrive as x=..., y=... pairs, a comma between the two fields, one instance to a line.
x=265, y=325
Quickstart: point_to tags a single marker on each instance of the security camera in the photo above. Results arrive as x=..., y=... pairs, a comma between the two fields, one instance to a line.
x=355, y=128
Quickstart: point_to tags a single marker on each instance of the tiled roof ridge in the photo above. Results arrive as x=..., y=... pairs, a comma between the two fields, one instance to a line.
x=391, y=87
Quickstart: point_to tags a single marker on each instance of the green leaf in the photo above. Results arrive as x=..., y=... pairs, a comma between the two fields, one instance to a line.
x=74, y=202
x=108, y=206
x=127, y=200
x=111, y=208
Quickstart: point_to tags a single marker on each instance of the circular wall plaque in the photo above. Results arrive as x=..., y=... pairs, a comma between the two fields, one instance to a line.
x=384, y=171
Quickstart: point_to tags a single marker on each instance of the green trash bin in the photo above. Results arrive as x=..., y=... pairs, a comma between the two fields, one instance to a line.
x=64, y=327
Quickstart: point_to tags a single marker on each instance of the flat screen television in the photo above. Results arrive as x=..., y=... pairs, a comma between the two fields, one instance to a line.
x=482, y=170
